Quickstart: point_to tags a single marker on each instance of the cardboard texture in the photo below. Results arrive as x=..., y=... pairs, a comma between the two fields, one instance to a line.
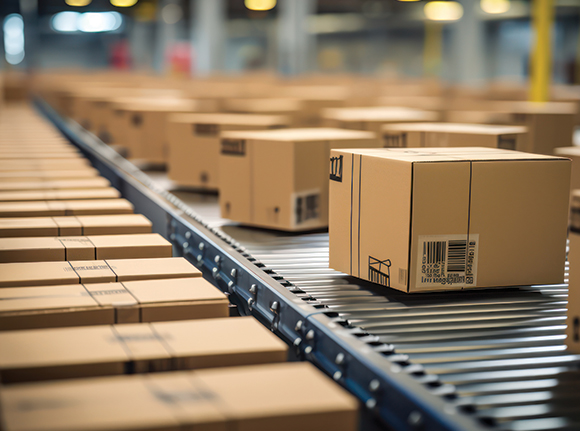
x=194, y=144
x=277, y=179
x=109, y=303
x=47, y=195
x=403, y=135
x=59, y=353
x=573, y=153
x=573, y=312
x=74, y=225
x=91, y=183
x=65, y=208
x=34, y=176
x=448, y=218
x=45, y=249
x=24, y=274
x=43, y=164
x=236, y=398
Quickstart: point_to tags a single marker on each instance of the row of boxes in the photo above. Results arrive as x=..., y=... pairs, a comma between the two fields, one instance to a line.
x=92, y=324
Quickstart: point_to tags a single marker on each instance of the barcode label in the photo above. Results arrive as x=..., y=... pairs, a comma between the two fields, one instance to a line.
x=447, y=261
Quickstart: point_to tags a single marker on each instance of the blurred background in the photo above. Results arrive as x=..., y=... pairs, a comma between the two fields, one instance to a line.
x=466, y=42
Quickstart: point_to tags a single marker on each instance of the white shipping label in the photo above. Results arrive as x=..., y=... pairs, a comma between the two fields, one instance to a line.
x=447, y=261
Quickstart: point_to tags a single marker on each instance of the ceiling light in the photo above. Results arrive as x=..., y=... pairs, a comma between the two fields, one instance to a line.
x=123, y=3
x=260, y=4
x=495, y=6
x=443, y=10
x=77, y=3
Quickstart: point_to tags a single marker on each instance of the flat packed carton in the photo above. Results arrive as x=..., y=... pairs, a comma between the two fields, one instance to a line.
x=108, y=303
x=24, y=274
x=56, y=175
x=573, y=153
x=94, y=247
x=448, y=218
x=39, y=155
x=403, y=135
x=59, y=353
x=48, y=195
x=194, y=144
x=372, y=119
x=65, y=208
x=43, y=164
x=277, y=179
x=236, y=398
x=91, y=183
x=573, y=314
x=74, y=225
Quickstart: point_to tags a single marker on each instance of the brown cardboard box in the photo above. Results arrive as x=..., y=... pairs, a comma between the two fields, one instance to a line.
x=108, y=303
x=43, y=164
x=32, y=176
x=46, y=249
x=47, y=354
x=400, y=135
x=65, y=208
x=449, y=218
x=278, y=179
x=39, y=155
x=236, y=398
x=573, y=153
x=46, y=195
x=372, y=119
x=73, y=225
x=573, y=314
x=25, y=274
x=92, y=183
x=194, y=143
x=291, y=108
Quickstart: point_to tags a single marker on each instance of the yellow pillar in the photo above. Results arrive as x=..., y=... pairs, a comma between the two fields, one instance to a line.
x=541, y=60
x=432, y=48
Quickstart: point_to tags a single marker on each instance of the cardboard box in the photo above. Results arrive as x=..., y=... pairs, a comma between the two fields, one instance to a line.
x=26, y=274
x=43, y=164
x=402, y=135
x=277, y=179
x=194, y=144
x=32, y=176
x=47, y=195
x=372, y=119
x=288, y=107
x=91, y=183
x=108, y=303
x=65, y=208
x=73, y=225
x=60, y=353
x=573, y=313
x=449, y=218
x=573, y=153
x=236, y=398
x=39, y=155
x=48, y=249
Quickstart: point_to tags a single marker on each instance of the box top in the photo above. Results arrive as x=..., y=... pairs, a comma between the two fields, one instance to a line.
x=567, y=151
x=167, y=265
x=523, y=107
x=447, y=154
x=230, y=119
x=175, y=289
x=44, y=298
x=263, y=105
x=292, y=135
x=479, y=129
x=380, y=113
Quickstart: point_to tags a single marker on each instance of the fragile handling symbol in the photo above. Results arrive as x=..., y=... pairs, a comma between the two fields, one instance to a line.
x=336, y=169
x=380, y=271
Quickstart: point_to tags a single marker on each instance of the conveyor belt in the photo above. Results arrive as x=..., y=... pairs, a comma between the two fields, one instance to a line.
x=468, y=360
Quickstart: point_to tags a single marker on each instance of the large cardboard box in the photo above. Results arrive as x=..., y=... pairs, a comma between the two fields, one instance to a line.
x=94, y=247
x=278, y=179
x=146, y=131
x=573, y=313
x=47, y=195
x=108, y=303
x=59, y=353
x=74, y=225
x=573, y=153
x=288, y=107
x=91, y=183
x=402, y=135
x=65, y=208
x=372, y=119
x=194, y=144
x=24, y=274
x=220, y=399
x=449, y=218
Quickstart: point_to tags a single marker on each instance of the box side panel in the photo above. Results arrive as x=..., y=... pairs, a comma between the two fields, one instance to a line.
x=520, y=211
x=573, y=316
x=235, y=179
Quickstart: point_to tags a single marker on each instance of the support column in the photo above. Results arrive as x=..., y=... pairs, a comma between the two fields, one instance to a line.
x=467, y=47
x=296, y=46
x=208, y=35
x=541, y=60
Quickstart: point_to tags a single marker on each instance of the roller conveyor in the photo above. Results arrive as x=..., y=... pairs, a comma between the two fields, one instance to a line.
x=489, y=359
